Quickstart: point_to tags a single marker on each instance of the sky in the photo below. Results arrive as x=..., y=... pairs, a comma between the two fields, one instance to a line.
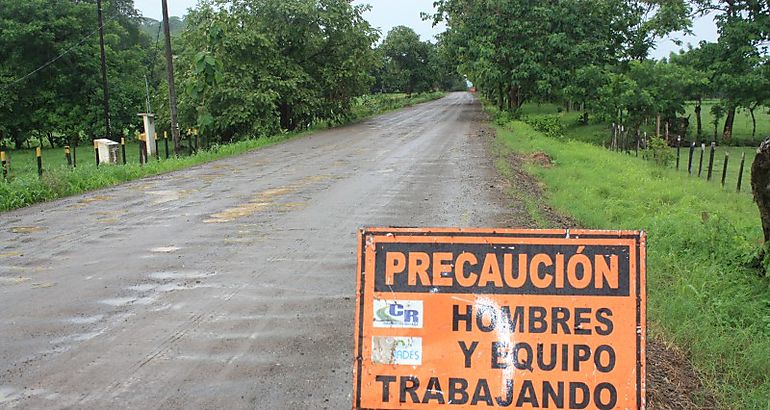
x=386, y=14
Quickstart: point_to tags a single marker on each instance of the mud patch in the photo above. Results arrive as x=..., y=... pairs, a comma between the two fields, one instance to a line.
x=27, y=229
x=672, y=383
x=13, y=281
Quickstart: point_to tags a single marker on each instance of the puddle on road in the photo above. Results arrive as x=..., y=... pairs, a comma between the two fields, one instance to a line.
x=84, y=320
x=165, y=249
x=180, y=275
x=77, y=337
x=143, y=287
x=118, y=301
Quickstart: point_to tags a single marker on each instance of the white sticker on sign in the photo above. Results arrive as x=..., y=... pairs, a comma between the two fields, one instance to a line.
x=398, y=313
x=397, y=350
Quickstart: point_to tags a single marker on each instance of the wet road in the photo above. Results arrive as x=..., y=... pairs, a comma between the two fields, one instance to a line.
x=232, y=284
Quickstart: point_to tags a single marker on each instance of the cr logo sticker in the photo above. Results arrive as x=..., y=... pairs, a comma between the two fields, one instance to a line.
x=398, y=314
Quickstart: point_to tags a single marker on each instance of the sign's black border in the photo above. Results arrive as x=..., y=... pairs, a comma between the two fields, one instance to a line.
x=364, y=234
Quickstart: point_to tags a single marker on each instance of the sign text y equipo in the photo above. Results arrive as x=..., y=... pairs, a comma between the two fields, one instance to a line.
x=500, y=319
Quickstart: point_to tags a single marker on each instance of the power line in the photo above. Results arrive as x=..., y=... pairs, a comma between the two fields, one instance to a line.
x=59, y=57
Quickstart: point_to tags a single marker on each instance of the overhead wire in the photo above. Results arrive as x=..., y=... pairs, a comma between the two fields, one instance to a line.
x=60, y=56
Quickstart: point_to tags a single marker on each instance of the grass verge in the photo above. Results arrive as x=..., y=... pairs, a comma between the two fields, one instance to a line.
x=25, y=188
x=703, y=297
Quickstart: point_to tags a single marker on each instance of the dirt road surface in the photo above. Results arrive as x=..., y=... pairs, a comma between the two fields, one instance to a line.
x=232, y=284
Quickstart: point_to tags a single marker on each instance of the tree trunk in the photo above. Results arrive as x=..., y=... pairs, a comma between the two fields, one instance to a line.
x=760, y=185
x=698, y=118
x=657, y=126
x=753, y=121
x=500, y=98
x=510, y=98
x=727, y=134
x=50, y=140
x=18, y=141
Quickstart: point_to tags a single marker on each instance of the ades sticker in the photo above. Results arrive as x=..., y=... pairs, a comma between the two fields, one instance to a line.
x=397, y=350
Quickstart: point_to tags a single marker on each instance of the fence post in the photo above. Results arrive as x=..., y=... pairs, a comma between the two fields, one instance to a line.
x=711, y=160
x=39, y=155
x=740, y=171
x=692, y=153
x=142, y=150
x=165, y=142
x=157, y=149
x=612, y=137
x=4, y=163
x=68, y=155
x=678, y=149
x=123, y=149
x=700, y=164
x=724, y=169
x=96, y=153
x=638, y=136
x=75, y=155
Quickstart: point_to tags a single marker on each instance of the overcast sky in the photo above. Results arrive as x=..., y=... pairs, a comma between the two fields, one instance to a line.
x=387, y=14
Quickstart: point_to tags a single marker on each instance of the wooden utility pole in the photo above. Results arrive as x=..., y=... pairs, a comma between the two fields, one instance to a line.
x=170, y=76
x=105, y=84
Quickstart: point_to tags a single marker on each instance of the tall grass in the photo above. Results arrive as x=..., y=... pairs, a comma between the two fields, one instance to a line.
x=703, y=296
x=25, y=188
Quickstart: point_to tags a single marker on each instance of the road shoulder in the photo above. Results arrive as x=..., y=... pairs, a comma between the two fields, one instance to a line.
x=672, y=381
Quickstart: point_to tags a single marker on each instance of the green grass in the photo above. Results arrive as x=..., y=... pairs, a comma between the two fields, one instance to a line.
x=599, y=133
x=733, y=165
x=702, y=295
x=24, y=187
x=741, y=127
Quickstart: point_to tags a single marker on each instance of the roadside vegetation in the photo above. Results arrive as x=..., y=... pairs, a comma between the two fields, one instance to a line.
x=556, y=122
x=246, y=72
x=24, y=187
x=705, y=296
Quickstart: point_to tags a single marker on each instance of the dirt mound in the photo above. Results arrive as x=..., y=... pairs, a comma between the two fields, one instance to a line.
x=540, y=158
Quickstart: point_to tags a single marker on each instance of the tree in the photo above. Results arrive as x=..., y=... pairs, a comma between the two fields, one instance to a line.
x=697, y=63
x=49, y=73
x=251, y=67
x=517, y=50
x=407, y=60
x=743, y=27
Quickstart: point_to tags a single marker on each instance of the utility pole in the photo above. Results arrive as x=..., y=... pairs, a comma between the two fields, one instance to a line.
x=105, y=85
x=170, y=75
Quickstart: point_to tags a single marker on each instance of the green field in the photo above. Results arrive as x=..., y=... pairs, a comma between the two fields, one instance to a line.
x=24, y=187
x=703, y=296
x=599, y=133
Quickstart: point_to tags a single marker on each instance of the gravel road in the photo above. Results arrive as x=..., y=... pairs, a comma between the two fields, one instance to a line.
x=232, y=284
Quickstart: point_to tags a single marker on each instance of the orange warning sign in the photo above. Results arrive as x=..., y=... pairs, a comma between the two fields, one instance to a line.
x=525, y=319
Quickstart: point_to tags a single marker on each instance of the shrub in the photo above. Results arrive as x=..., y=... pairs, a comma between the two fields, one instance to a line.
x=658, y=151
x=550, y=125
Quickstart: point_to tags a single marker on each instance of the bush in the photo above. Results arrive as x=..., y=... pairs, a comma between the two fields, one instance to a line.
x=658, y=151
x=550, y=125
